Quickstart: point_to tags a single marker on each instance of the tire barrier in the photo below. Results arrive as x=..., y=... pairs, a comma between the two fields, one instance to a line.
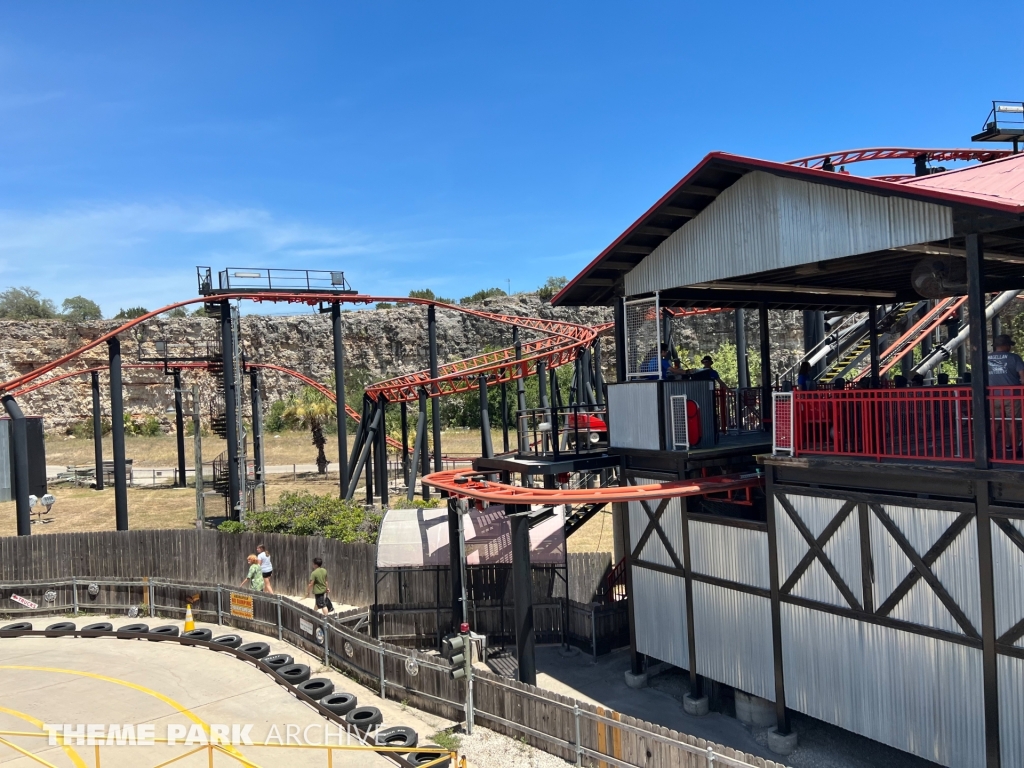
x=278, y=661
x=364, y=717
x=133, y=629
x=316, y=687
x=100, y=626
x=255, y=650
x=423, y=758
x=18, y=626
x=59, y=627
x=294, y=673
x=199, y=634
x=167, y=630
x=339, y=703
x=398, y=736
x=231, y=641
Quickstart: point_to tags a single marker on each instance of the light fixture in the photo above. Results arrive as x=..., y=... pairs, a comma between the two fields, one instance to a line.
x=247, y=274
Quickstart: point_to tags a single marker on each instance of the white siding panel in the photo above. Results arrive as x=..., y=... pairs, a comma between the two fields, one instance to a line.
x=915, y=693
x=957, y=570
x=890, y=563
x=1011, y=709
x=727, y=552
x=816, y=512
x=843, y=550
x=1008, y=574
x=792, y=546
x=765, y=222
x=633, y=415
x=733, y=635
x=659, y=607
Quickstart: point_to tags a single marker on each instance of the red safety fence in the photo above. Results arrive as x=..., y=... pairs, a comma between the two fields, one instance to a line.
x=922, y=423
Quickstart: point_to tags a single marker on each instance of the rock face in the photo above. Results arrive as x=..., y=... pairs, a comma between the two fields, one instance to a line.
x=379, y=343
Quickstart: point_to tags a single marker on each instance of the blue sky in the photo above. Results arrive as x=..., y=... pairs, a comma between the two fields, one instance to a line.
x=451, y=146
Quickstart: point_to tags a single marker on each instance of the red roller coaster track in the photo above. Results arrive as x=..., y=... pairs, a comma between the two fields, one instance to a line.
x=848, y=156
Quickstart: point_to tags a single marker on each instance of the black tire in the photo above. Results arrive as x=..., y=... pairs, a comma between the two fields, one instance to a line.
x=316, y=687
x=199, y=634
x=422, y=758
x=398, y=736
x=231, y=641
x=364, y=717
x=339, y=703
x=294, y=673
x=279, y=661
x=133, y=629
x=167, y=630
x=255, y=650
x=56, y=630
x=18, y=626
x=101, y=626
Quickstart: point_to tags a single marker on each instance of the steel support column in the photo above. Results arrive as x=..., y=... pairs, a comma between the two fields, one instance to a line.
x=435, y=411
x=766, y=368
x=339, y=395
x=979, y=348
x=486, y=447
x=455, y=561
x=781, y=716
x=742, y=366
x=179, y=426
x=522, y=590
x=404, y=411
x=227, y=341
x=419, y=452
x=422, y=437
x=620, y=340
x=117, y=435
x=504, y=417
x=258, y=446
x=97, y=429
x=873, y=344
x=382, y=453
x=19, y=454
x=598, y=374
x=691, y=635
x=989, y=660
x=523, y=441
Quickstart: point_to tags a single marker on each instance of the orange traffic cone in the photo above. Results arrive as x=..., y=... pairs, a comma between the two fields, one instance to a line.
x=190, y=623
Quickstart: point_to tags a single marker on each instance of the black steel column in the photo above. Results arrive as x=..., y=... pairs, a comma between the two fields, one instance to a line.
x=179, y=426
x=382, y=452
x=766, y=368
x=339, y=398
x=522, y=590
x=19, y=452
x=258, y=449
x=227, y=345
x=989, y=660
x=486, y=447
x=504, y=417
x=405, y=442
x=598, y=374
x=979, y=349
x=117, y=435
x=419, y=451
x=97, y=429
x=742, y=367
x=620, y=340
x=422, y=437
x=873, y=344
x=542, y=385
x=455, y=562
x=435, y=411
x=781, y=716
x=961, y=351
x=691, y=635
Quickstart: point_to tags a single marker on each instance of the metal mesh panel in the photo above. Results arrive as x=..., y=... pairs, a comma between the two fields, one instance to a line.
x=643, y=338
x=680, y=431
x=782, y=425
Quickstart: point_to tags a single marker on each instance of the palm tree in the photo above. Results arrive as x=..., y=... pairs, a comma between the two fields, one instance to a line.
x=312, y=410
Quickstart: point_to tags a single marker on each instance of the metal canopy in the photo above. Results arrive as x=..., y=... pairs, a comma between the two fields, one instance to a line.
x=846, y=280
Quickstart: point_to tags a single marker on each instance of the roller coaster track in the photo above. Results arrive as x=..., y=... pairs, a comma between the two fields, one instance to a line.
x=473, y=485
x=849, y=156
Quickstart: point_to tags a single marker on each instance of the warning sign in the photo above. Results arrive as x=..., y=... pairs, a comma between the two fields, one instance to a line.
x=241, y=605
x=24, y=601
x=306, y=626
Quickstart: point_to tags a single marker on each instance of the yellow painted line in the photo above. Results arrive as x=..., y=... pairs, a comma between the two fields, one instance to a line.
x=134, y=686
x=27, y=754
x=68, y=750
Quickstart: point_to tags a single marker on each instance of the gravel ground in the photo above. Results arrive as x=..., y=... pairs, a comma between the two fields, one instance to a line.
x=487, y=749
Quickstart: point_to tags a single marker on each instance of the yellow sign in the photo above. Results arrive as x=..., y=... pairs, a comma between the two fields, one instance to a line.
x=241, y=605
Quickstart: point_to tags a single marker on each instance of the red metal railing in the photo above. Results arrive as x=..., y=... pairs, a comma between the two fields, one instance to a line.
x=922, y=423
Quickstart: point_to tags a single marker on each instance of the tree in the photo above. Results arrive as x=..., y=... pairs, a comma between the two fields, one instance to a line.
x=486, y=293
x=178, y=312
x=78, y=309
x=131, y=313
x=426, y=293
x=25, y=304
x=311, y=409
x=551, y=286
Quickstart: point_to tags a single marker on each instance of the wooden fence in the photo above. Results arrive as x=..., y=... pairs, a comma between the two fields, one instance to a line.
x=213, y=557
x=576, y=731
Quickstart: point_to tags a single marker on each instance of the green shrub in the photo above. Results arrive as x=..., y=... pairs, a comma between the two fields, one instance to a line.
x=433, y=503
x=231, y=526
x=274, y=421
x=306, y=514
x=150, y=427
x=83, y=429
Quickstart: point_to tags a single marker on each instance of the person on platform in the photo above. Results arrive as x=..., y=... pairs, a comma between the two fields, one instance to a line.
x=803, y=376
x=706, y=372
x=318, y=585
x=1006, y=369
x=266, y=566
x=664, y=360
x=255, y=575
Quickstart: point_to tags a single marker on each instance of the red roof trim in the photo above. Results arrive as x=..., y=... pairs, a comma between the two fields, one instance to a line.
x=810, y=174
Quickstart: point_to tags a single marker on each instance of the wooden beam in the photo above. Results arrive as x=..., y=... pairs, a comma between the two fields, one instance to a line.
x=617, y=264
x=672, y=210
x=659, y=231
x=600, y=282
x=641, y=249
x=697, y=189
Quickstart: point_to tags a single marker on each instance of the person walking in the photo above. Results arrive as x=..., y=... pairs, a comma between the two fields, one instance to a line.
x=254, y=576
x=266, y=567
x=318, y=585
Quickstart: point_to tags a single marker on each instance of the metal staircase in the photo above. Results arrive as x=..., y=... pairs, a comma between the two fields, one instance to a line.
x=858, y=349
x=579, y=516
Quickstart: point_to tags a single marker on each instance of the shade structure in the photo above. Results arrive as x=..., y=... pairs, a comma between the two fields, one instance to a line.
x=411, y=538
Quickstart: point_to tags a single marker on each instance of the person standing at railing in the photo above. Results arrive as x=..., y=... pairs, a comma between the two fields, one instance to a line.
x=1005, y=369
x=266, y=567
x=254, y=576
x=803, y=376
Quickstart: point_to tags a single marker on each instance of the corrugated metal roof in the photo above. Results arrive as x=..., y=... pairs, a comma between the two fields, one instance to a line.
x=999, y=181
